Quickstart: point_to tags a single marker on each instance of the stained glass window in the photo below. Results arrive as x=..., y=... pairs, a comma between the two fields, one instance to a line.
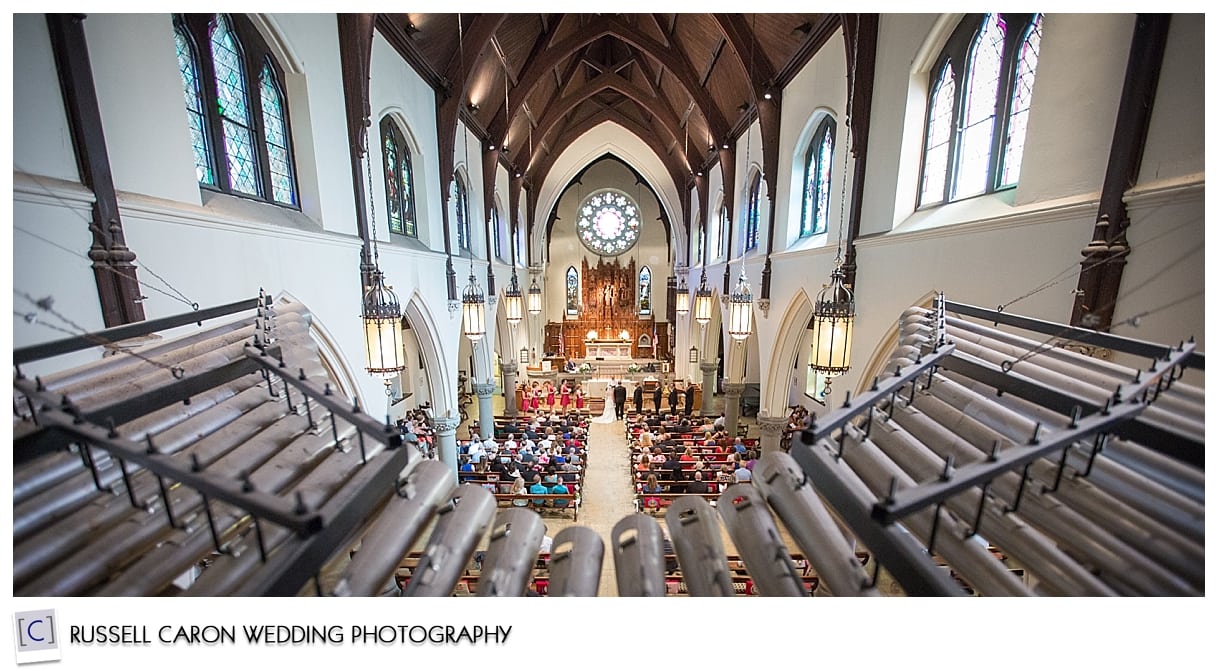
x=406, y=173
x=393, y=199
x=974, y=141
x=240, y=135
x=1021, y=102
x=701, y=242
x=818, y=170
x=572, y=291
x=980, y=100
x=938, y=136
x=463, y=229
x=495, y=232
x=188, y=66
x=608, y=222
x=399, y=190
x=283, y=188
x=645, y=291
x=233, y=105
x=716, y=249
x=752, y=222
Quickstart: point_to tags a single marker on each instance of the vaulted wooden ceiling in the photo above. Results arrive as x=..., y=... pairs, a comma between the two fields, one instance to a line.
x=685, y=84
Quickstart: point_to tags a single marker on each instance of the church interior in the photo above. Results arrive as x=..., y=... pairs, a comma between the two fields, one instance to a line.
x=608, y=304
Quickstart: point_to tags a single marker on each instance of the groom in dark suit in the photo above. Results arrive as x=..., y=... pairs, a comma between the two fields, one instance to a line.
x=619, y=400
x=638, y=398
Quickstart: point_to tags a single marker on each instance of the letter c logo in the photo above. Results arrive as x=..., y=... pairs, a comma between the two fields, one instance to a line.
x=29, y=631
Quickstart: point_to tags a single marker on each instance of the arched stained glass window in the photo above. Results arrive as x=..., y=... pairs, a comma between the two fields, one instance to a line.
x=572, y=291
x=938, y=136
x=645, y=291
x=700, y=243
x=237, y=109
x=752, y=220
x=283, y=186
x=608, y=222
x=1021, y=101
x=462, y=208
x=188, y=66
x=974, y=141
x=496, y=232
x=818, y=171
x=721, y=235
x=234, y=110
x=399, y=179
x=980, y=100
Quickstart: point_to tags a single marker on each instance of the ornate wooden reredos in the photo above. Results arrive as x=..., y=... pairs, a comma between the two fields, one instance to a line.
x=608, y=293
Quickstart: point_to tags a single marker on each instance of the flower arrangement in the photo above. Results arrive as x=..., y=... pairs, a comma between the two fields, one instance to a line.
x=585, y=367
x=633, y=368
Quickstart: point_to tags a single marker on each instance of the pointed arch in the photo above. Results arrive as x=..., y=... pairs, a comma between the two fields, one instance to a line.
x=792, y=331
x=441, y=375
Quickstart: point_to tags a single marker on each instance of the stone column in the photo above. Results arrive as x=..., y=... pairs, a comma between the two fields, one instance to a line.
x=486, y=412
x=771, y=432
x=509, y=388
x=732, y=391
x=709, y=370
x=446, y=441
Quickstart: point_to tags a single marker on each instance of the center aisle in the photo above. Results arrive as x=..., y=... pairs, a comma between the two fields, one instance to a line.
x=607, y=496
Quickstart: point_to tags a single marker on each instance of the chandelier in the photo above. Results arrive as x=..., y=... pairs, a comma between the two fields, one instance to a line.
x=512, y=301
x=381, y=312
x=473, y=309
x=740, y=309
x=534, y=298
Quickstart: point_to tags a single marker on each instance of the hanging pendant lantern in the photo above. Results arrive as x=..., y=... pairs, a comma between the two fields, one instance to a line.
x=740, y=310
x=534, y=298
x=512, y=301
x=832, y=327
x=382, y=317
x=703, y=303
x=473, y=309
x=682, y=298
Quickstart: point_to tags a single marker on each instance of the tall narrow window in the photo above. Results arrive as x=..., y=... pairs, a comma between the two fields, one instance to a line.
x=462, y=207
x=701, y=242
x=645, y=291
x=752, y=221
x=717, y=249
x=980, y=100
x=818, y=171
x=974, y=141
x=572, y=291
x=282, y=184
x=399, y=179
x=495, y=232
x=234, y=110
x=188, y=66
x=1021, y=101
x=938, y=136
x=236, y=107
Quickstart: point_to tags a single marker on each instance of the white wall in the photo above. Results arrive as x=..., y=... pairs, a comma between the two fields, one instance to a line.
x=42, y=143
x=566, y=250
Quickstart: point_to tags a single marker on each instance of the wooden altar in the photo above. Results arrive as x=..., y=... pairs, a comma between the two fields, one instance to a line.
x=608, y=305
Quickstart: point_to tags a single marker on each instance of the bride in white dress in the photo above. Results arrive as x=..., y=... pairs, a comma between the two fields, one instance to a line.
x=609, y=415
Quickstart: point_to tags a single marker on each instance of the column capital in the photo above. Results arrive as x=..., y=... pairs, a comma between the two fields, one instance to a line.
x=709, y=367
x=771, y=425
x=734, y=389
x=509, y=368
x=445, y=426
x=484, y=389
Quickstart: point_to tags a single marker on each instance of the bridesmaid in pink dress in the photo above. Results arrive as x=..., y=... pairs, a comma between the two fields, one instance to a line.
x=549, y=396
x=579, y=398
x=527, y=398
x=566, y=396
